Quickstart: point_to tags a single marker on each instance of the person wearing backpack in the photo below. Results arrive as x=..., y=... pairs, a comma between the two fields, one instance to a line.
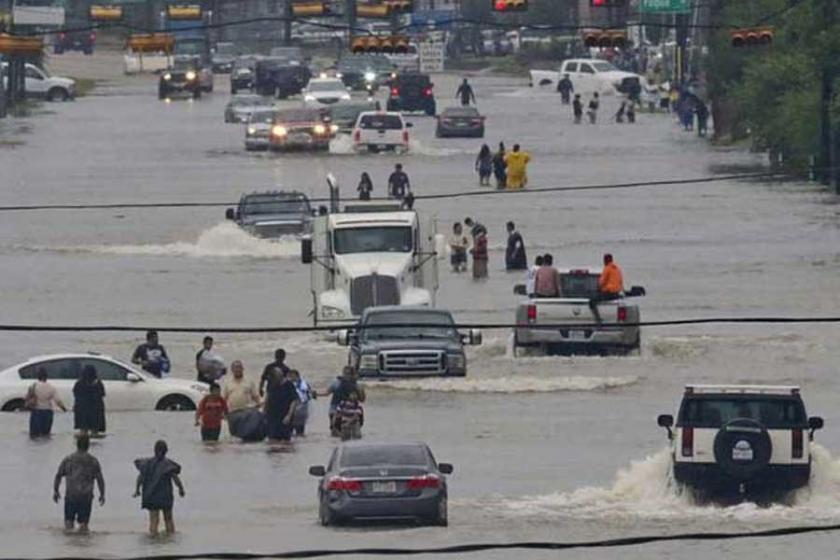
x=41, y=399
x=339, y=391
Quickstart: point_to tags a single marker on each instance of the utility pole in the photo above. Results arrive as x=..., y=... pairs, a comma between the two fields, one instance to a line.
x=288, y=13
x=829, y=174
x=350, y=7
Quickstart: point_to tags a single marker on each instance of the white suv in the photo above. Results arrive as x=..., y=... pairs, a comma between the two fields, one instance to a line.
x=41, y=84
x=741, y=440
x=377, y=131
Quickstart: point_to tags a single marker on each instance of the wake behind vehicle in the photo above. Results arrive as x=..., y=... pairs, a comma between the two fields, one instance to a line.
x=617, y=332
x=741, y=441
x=306, y=129
x=240, y=108
x=127, y=388
x=273, y=214
x=411, y=92
x=378, y=481
x=460, y=122
x=378, y=350
x=378, y=131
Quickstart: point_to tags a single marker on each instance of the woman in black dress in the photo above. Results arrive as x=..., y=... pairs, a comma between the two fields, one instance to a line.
x=89, y=405
x=154, y=484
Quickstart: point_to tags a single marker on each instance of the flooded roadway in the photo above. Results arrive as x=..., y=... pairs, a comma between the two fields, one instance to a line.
x=544, y=448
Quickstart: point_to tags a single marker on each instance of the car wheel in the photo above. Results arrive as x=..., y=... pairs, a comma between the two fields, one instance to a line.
x=233, y=90
x=58, y=50
x=57, y=94
x=175, y=402
x=16, y=405
x=325, y=516
x=430, y=111
x=545, y=82
x=442, y=517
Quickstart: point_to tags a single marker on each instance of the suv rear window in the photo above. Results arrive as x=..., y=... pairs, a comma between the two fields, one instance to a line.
x=579, y=285
x=383, y=455
x=713, y=412
x=380, y=122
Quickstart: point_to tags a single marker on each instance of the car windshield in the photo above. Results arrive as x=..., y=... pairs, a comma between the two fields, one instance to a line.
x=275, y=204
x=713, y=412
x=370, y=456
x=601, y=66
x=326, y=85
x=266, y=117
x=381, y=122
x=417, y=330
x=579, y=285
x=391, y=239
x=350, y=112
x=378, y=63
x=249, y=100
x=298, y=115
x=465, y=112
x=414, y=80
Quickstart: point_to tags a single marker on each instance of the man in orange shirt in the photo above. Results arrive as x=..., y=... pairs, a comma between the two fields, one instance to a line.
x=610, y=285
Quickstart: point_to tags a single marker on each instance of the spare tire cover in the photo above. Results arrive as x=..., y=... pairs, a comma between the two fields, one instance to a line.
x=743, y=448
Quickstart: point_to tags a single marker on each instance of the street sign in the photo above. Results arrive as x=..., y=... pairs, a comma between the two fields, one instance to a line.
x=432, y=56
x=665, y=6
x=38, y=15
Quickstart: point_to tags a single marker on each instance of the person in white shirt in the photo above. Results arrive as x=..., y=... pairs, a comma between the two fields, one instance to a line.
x=532, y=276
x=41, y=398
x=243, y=401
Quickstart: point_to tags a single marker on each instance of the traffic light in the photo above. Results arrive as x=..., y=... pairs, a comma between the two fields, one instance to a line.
x=105, y=12
x=183, y=11
x=604, y=39
x=606, y=3
x=309, y=8
x=510, y=5
x=390, y=44
x=151, y=42
x=373, y=11
x=399, y=6
x=11, y=45
x=751, y=37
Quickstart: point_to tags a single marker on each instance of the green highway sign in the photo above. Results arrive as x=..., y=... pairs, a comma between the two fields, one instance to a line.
x=665, y=6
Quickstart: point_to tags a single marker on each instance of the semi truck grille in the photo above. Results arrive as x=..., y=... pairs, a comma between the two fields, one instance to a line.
x=373, y=290
x=406, y=362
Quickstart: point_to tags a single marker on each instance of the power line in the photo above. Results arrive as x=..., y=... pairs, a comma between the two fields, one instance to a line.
x=472, y=193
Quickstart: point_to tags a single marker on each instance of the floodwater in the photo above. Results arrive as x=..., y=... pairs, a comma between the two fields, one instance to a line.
x=544, y=448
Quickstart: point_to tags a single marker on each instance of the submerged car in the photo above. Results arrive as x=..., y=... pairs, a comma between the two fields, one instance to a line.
x=461, y=122
x=741, y=441
x=273, y=214
x=306, y=129
x=240, y=108
x=379, y=481
x=258, y=129
x=126, y=388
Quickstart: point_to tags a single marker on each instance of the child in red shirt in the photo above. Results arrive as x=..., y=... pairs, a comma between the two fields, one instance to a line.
x=211, y=410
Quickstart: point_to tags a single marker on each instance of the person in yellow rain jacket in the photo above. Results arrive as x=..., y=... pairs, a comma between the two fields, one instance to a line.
x=517, y=163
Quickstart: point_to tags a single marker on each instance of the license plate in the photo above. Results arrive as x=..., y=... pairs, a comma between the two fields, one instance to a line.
x=382, y=146
x=384, y=487
x=577, y=335
x=742, y=453
x=299, y=138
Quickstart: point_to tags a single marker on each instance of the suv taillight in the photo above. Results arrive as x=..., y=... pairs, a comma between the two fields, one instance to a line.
x=405, y=137
x=797, y=440
x=357, y=136
x=621, y=314
x=395, y=91
x=532, y=312
x=93, y=35
x=688, y=442
x=427, y=92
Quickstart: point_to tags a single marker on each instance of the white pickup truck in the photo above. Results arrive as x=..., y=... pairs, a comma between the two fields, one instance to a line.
x=588, y=75
x=616, y=331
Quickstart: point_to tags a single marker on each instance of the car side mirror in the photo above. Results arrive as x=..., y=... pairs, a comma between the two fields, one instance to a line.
x=475, y=337
x=343, y=337
x=317, y=470
x=409, y=125
x=306, y=250
x=635, y=291
x=815, y=423
x=445, y=468
x=133, y=378
x=666, y=421
x=230, y=214
x=520, y=289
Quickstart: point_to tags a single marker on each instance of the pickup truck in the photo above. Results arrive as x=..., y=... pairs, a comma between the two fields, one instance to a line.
x=380, y=351
x=609, y=335
x=588, y=75
x=273, y=214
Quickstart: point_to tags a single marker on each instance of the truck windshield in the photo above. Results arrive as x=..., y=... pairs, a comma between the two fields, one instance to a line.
x=373, y=240
x=714, y=412
x=579, y=285
x=417, y=330
x=275, y=205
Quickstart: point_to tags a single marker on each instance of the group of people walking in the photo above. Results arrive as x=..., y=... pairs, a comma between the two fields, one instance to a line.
x=475, y=240
x=508, y=168
x=88, y=407
x=399, y=187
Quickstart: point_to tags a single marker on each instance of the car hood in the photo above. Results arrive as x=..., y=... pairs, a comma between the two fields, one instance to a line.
x=363, y=264
x=617, y=75
x=66, y=82
x=249, y=109
x=223, y=58
x=449, y=345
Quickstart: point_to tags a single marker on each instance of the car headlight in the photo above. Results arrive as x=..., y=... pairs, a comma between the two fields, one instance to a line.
x=370, y=76
x=319, y=129
x=309, y=98
x=368, y=361
x=328, y=312
x=333, y=128
x=199, y=388
x=279, y=131
x=339, y=75
x=167, y=76
x=457, y=361
x=190, y=75
x=252, y=130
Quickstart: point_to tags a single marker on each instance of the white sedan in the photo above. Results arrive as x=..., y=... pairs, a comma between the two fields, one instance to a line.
x=323, y=92
x=126, y=388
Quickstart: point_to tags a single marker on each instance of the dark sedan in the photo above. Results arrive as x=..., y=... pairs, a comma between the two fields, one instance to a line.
x=461, y=122
x=381, y=481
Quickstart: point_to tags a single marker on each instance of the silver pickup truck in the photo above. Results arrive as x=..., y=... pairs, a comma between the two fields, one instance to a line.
x=580, y=332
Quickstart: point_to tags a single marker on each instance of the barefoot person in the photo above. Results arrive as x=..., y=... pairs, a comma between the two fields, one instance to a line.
x=154, y=483
x=80, y=470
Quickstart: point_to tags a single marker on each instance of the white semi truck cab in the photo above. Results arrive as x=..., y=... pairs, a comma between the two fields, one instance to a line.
x=369, y=255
